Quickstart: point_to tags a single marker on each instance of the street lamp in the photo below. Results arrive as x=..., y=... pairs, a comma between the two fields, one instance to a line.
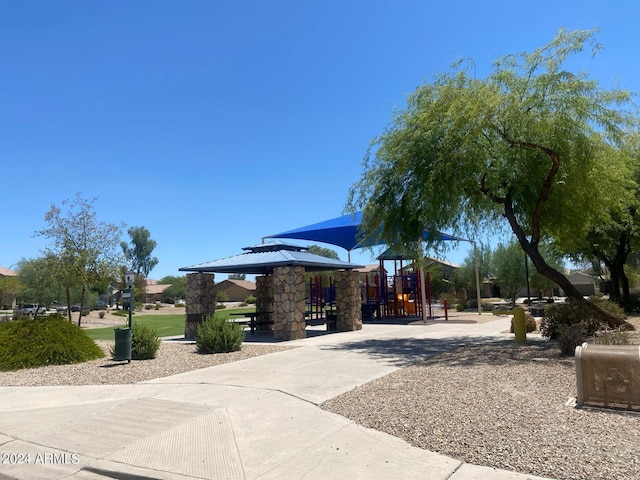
x=122, y=350
x=128, y=279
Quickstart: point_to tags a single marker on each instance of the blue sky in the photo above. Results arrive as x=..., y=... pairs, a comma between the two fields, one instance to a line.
x=215, y=123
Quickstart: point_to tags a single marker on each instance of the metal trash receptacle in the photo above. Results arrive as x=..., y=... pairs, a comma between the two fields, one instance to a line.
x=608, y=376
x=122, y=350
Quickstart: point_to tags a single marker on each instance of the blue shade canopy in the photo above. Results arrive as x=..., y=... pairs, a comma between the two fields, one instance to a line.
x=261, y=260
x=344, y=232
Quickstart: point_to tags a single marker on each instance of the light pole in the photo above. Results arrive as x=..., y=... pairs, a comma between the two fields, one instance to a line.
x=129, y=278
x=122, y=350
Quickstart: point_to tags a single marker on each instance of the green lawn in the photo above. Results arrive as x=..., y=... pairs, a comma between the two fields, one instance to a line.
x=165, y=325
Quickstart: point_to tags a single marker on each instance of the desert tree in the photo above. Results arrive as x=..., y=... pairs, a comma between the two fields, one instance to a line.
x=531, y=145
x=84, y=248
x=138, y=252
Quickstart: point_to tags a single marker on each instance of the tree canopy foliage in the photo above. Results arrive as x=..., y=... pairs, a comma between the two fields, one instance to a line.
x=139, y=251
x=532, y=143
x=83, y=250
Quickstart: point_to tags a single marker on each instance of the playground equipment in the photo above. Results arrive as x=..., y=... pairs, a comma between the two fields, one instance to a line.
x=400, y=294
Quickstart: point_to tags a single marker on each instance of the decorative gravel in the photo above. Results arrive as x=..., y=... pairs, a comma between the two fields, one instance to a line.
x=502, y=406
x=172, y=358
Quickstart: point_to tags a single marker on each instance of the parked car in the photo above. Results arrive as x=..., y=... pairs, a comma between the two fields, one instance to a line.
x=30, y=309
x=179, y=302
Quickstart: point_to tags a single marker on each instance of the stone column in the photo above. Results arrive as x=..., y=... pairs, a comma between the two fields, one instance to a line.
x=348, y=301
x=264, y=299
x=200, y=301
x=288, y=303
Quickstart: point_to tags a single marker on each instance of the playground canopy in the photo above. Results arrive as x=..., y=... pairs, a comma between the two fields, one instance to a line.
x=345, y=232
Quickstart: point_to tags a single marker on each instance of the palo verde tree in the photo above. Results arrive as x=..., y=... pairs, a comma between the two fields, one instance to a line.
x=530, y=144
x=84, y=249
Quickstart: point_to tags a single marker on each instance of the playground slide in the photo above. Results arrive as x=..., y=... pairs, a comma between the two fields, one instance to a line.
x=408, y=306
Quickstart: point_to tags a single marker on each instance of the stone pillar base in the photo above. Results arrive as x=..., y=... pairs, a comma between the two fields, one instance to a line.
x=191, y=323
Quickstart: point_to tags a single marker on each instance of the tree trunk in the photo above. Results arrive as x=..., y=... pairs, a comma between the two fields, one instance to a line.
x=531, y=249
x=69, y=305
x=81, y=305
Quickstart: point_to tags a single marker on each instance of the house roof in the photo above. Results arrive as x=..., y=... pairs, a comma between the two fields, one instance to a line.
x=246, y=284
x=5, y=272
x=263, y=258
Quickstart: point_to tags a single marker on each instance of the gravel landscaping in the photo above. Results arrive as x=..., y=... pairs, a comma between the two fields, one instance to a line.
x=501, y=405
x=172, y=358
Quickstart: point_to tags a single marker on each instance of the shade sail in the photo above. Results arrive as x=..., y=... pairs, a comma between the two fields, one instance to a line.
x=263, y=258
x=344, y=232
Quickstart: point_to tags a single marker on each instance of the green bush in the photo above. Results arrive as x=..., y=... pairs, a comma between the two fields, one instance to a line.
x=221, y=306
x=218, y=335
x=250, y=299
x=144, y=342
x=148, y=306
x=451, y=299
x=460, y=307
x=487, y=307
x=571, y=323
x=222, y=297
x=565, y=314
x=53, y=340
x=157, y=307
x=570, y=336
x=530, y=324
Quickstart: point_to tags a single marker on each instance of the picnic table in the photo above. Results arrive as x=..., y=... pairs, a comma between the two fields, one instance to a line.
x=253, y=317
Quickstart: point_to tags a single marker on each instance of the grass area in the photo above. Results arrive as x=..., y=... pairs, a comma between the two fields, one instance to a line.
x=165, y=325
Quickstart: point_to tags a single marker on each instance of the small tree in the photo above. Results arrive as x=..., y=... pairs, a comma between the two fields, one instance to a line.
x=509, y=268
x=138, y=251
x=85, y=249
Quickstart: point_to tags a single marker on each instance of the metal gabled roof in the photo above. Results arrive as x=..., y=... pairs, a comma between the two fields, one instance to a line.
x=262, y=259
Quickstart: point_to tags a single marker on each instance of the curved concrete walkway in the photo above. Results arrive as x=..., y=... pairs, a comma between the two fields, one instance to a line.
x=253, y=419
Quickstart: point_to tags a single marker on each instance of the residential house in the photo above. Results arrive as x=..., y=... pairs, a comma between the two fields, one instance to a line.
x=236, y=290
x=7, y=297
x=154, y=290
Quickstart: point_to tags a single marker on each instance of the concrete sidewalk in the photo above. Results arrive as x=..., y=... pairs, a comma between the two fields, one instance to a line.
x=253, y=419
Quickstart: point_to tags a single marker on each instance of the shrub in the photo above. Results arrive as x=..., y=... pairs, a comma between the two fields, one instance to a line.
x=102, y=313
x=148, y=306
x=157, y=307
x=250, y=299
x=530, y=324
x=570, y=323
x=632, y=305
x=222, y=297
x=461, y=305
x=144, y=342
x=570, y=336
x=221, y=306
x=451, y=299
x=487, y=307
x=120, y=313
x=218, y=335
x=565, y=314
x=30, y=343
x=608, y=305
x=612, y=336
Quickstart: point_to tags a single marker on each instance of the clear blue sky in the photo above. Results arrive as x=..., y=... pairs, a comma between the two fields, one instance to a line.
x=215, y=123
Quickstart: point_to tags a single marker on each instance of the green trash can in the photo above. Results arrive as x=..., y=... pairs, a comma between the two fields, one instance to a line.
x=122, y=350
